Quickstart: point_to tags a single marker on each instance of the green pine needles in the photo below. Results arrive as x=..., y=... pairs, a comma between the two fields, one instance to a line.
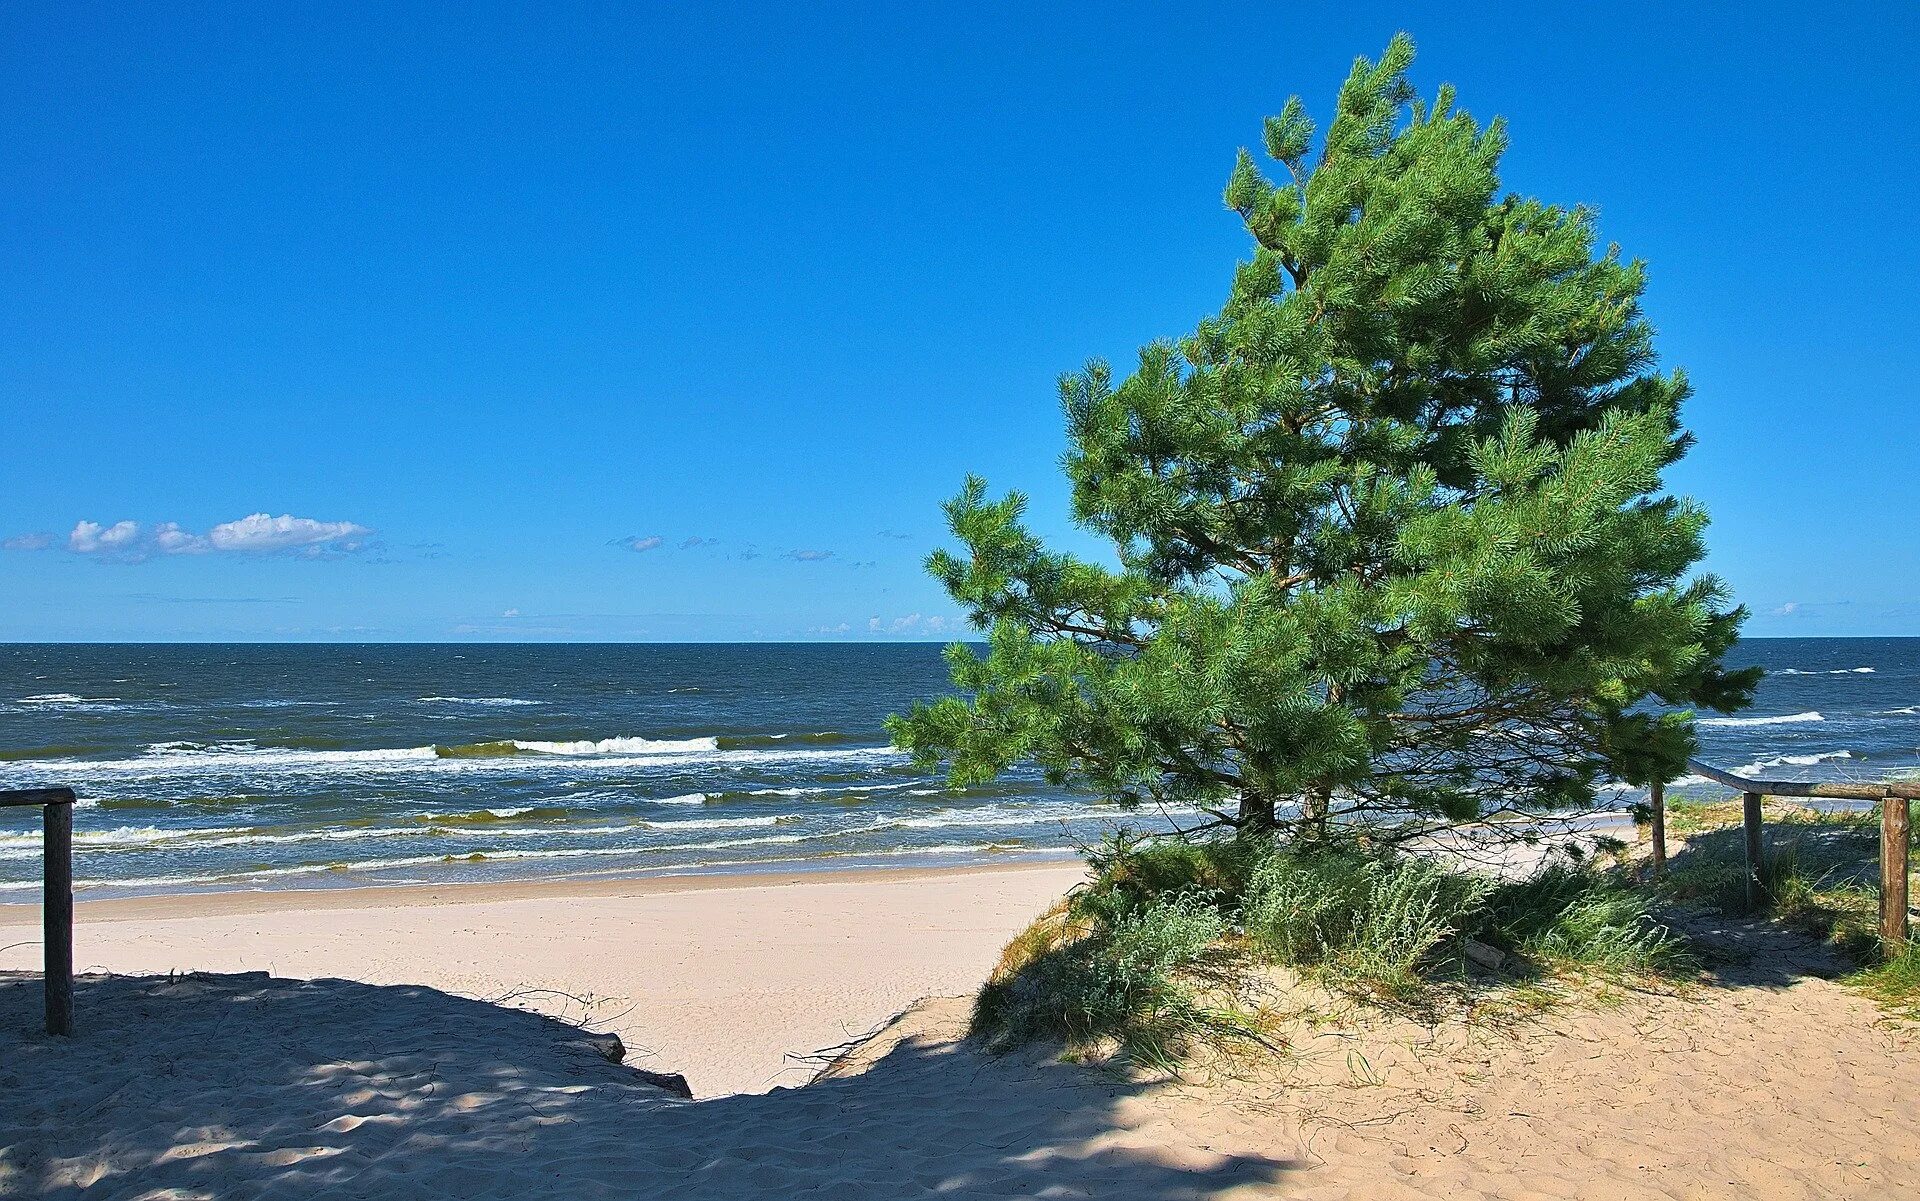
x=1389, y=531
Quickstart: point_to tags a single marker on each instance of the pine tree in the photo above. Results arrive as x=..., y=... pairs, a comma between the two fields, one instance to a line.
x=1389, y=530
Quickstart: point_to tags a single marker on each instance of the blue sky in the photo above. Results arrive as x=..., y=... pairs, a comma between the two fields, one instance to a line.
x=485, y=300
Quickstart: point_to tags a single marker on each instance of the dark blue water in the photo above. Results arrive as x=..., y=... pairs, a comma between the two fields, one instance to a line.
x=248, y=766
x=1829, y=708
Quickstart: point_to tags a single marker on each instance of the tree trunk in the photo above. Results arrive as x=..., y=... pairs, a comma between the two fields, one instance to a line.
x=1317, y=806
x=1256, y=814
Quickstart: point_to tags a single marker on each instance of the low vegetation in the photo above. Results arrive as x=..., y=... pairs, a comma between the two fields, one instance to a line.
x=1818, y=874
x=1165, y=947
x=1895, y=984
x=1817, y=869
x=1170, y=943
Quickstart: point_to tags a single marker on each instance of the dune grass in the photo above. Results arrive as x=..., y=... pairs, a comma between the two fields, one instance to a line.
x=1161, y=951
x=1101, y=967
x=1364, y=924
x=1895, y=984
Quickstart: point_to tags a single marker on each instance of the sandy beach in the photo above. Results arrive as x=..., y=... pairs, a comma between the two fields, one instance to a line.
x=721, y=978
x=342, y=1044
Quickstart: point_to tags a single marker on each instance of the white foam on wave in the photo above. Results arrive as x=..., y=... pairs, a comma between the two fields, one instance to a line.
x=258, y=839
x=237, y=878
x=710, y=823
x=999, y=815
x=1907, y=711
x=67, y=702
x=1761, y=765
x=608, y=755
x=121, y=836
x=1838, y=671
x=621, y=746
x=245, y=754
x=1786, y=719
x=518, y=811
x=837, y=789
x=503, y=702
x=150, y=839
x=146, y=834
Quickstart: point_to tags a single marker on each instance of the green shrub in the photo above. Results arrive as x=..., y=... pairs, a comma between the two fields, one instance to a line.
x=1367, y=923
x=1126, y=972
x=1134, y=954
x=1128, y=870
x=1895, y=984
x=1300, y=907
x=1568, y=916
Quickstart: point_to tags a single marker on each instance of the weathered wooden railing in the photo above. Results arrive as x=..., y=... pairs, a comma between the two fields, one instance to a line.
x=1895, y=798
x=56, y=897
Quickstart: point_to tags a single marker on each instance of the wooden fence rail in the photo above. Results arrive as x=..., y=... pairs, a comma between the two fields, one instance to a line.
x=56, y=897
x=1895, y=798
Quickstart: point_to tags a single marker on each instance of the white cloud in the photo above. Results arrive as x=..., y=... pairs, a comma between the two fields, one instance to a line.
x=35, y=541
x=1787, y=610
x=916, y=623
x=511, y=613
x=170, y=539
x=258, y=534
x=261, y=533
x=92, y=538
x=842, y=628
x=635, y=542
x=810, y=556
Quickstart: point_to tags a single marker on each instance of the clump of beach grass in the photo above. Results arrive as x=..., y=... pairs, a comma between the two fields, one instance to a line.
x=1098, y=968
x=1579, y=918
x=1159, y=952
x=1363, y=924
x=1895, y=984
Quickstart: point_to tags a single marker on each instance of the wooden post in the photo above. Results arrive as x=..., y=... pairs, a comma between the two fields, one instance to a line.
x=1751, y=819
x=56, y=896
x=56, y=907
x=1657, y=805
x=1895, y=813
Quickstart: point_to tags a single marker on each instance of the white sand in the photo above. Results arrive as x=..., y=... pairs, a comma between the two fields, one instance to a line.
x=718, y=978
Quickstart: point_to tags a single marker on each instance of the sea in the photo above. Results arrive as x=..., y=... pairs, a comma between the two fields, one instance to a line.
x=310, y=766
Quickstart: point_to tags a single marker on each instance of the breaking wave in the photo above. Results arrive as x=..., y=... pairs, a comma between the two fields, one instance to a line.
x=606, y=754
x=1838, y=671
x=1788, y=719
x=1761, y=765
x=498, y=702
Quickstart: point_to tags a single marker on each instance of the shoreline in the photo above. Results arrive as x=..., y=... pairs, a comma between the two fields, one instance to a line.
x=142, y=906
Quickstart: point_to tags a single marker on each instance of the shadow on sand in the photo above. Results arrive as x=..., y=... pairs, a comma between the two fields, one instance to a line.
x=1739, y=949
x=247, y=1086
